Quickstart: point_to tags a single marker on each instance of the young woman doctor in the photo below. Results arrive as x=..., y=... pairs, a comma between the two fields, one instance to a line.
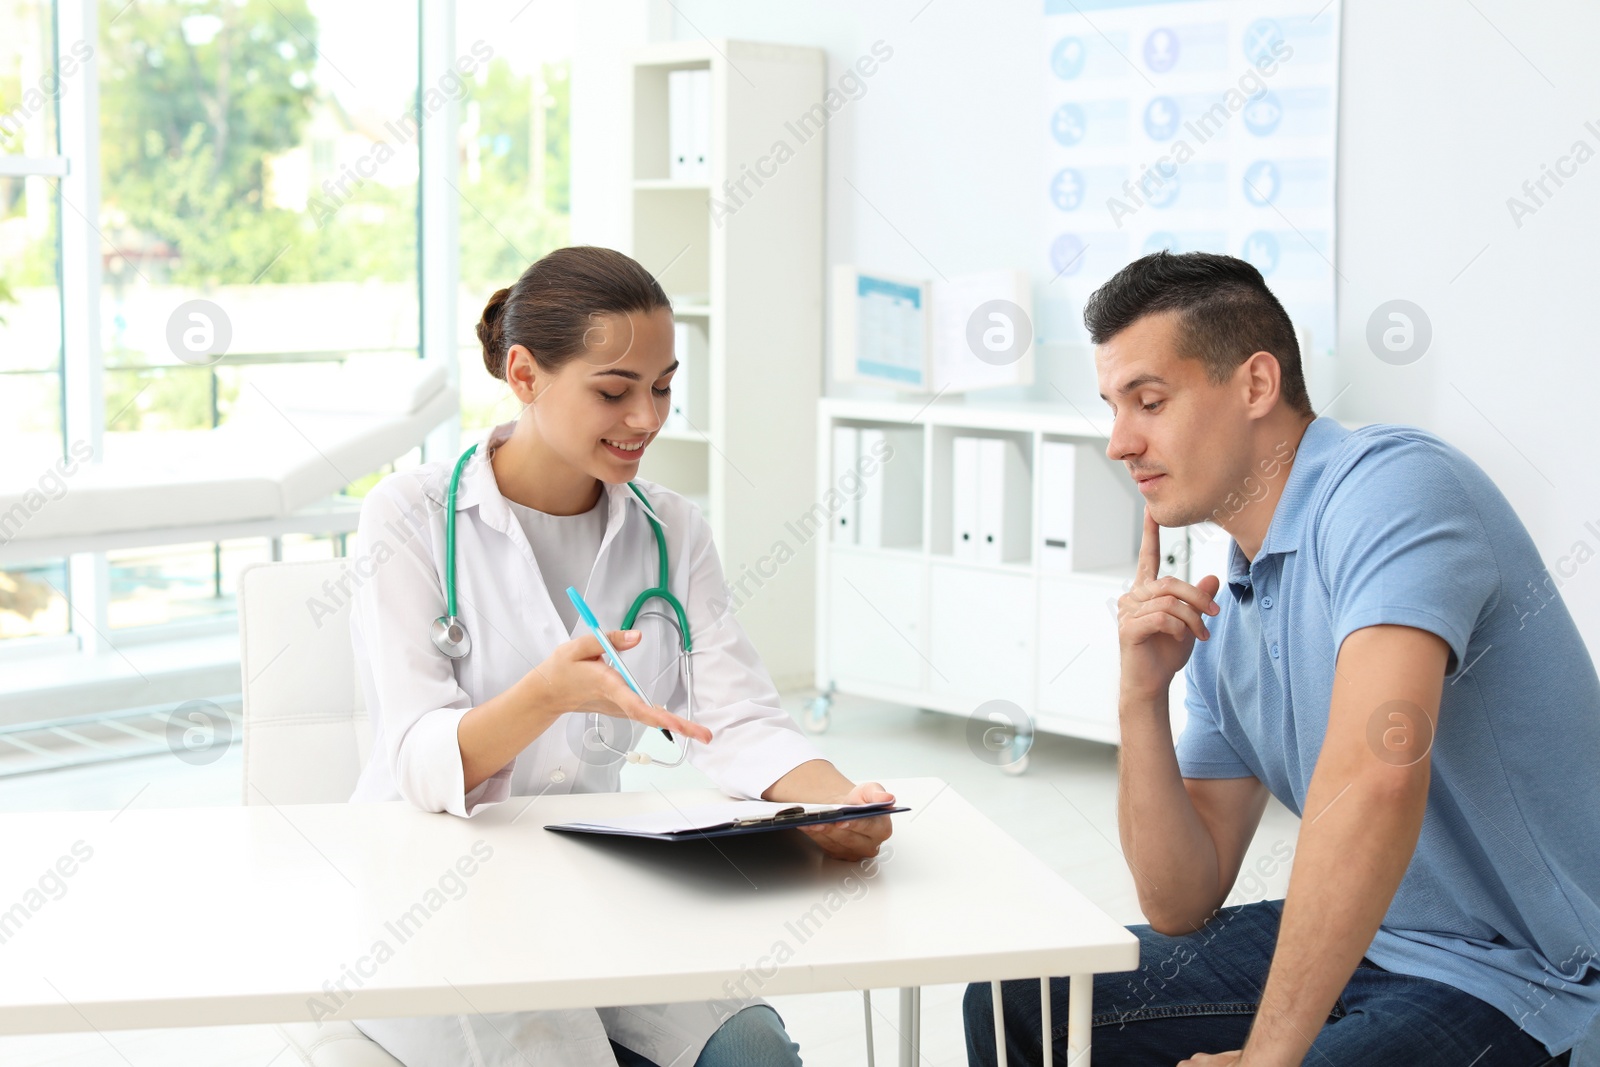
x=585, y=341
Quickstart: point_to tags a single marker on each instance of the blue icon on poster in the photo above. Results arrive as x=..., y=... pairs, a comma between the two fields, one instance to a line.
x=1161, y=118
x=1159, y=189
x=1261, y=251
x=1260, y=40
x=1261, y=182
x=1067, y=57
x=1066, y=190
x=1067, y=125
x=1262, y=115
x=1066, y=254
x=1159, y=241
x=1161, y=50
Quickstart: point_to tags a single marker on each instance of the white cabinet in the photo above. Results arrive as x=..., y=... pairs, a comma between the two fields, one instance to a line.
x=875, y=634
x=930, y=623
x=1078, y=657
x=744, y=273
x=981, y=635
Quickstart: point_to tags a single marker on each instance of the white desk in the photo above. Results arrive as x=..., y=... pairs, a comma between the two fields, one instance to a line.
x=221, y=916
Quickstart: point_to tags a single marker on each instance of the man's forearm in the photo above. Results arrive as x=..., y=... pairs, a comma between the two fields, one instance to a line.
x=1168, y=849
x=1360, y=832
x=1362, y=816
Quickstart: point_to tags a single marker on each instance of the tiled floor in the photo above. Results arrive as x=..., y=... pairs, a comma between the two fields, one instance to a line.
x=1063, y=809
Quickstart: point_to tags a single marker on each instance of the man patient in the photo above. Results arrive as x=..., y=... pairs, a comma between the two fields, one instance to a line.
x=1388, y=657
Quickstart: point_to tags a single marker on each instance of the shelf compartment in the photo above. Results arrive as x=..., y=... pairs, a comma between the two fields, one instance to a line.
x=689, y=410
x=999, y=486
x=1091, y=516
x=672, y=237
x=877, y=469
x=652, y=123
x=681, y=463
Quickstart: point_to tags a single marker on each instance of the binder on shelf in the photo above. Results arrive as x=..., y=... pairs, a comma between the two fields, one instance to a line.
x=680, y=135
x=689, y=125
x=964, y=497
x=681, y=416
x=700, y=126
x=1103, y=496
x=890, y=512
x=1003, y=486
x=1057, y=473
x=846, y=454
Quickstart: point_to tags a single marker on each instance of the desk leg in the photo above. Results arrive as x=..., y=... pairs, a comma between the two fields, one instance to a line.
x=1044, y=1023
x=910, y=1026
x=1080, y=1017
x=999, y=1025
x=866, y=1005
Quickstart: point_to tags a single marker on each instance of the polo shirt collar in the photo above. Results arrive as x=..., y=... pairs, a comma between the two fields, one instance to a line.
x=1238, y=570
x=1322, y=439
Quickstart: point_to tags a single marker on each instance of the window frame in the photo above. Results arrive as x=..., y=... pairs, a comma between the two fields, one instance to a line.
x=76, y=173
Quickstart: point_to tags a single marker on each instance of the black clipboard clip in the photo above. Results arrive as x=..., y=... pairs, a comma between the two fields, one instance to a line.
x=777, y=818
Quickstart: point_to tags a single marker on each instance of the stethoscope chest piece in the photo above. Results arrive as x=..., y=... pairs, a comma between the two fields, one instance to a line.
x=450, y=636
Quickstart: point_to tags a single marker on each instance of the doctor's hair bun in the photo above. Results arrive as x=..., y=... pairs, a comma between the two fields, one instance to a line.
x=550, y=308
x=489, y=334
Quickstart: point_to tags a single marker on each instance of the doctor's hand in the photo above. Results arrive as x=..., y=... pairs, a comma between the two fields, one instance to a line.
x=577, y=678
x=858, y=838
x=1159, y=619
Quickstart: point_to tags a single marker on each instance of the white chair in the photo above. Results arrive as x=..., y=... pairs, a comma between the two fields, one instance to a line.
x=306, y=731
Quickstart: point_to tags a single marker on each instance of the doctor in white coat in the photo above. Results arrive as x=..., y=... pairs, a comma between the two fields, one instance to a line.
x=584, y=339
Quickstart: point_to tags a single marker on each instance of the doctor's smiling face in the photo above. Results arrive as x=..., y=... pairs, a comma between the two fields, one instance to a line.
x=584, y=340
x=601, y=407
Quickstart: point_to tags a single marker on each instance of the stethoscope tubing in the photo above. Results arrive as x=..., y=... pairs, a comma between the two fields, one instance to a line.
x=450, y=634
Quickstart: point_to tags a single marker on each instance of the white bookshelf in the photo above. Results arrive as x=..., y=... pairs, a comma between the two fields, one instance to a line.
x=750, y=285
x=915, y=625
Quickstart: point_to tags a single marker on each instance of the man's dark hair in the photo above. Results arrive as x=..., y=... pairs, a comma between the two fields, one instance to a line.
x=1226, y=314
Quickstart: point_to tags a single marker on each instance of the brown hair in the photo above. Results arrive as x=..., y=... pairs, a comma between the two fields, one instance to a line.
x=550, y=307
x=1226, y=314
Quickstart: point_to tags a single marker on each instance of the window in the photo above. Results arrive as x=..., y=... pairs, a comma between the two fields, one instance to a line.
x=264, y=159
x=260, y=159
x=32, y=594
x=514, y=169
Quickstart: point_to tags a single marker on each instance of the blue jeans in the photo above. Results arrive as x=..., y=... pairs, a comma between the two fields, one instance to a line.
x=754, y=1037
x=1199, y=993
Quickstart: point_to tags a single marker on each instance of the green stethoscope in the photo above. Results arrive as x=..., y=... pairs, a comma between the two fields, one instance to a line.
x=450, y=633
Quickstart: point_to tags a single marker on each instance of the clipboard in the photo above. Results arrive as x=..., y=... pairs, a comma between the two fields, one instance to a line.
x=726, y=819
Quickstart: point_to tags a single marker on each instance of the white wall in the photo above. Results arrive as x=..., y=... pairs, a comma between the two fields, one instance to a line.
x=1445, y=110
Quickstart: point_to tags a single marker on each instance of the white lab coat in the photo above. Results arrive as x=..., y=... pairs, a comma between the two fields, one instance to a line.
x=417, y=696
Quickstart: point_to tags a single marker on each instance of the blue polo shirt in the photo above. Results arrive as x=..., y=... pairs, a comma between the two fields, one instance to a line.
x=1389, y=524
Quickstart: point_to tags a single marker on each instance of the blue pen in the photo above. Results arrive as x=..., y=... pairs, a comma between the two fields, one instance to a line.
x=611, y=657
